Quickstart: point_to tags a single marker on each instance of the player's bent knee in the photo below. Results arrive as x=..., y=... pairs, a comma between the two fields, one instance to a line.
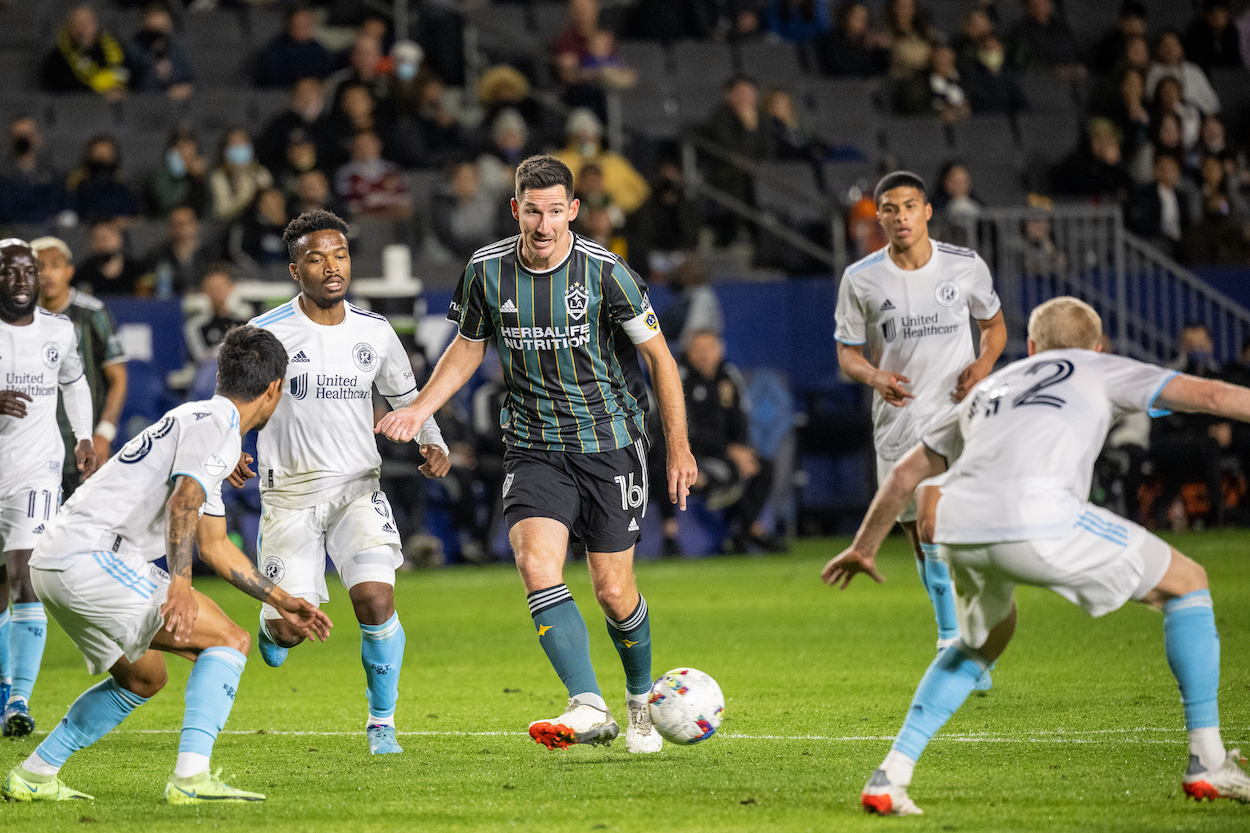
x=238, y=639
x=144, y=682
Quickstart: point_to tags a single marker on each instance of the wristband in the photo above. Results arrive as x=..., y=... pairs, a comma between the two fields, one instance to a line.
x=106, y=429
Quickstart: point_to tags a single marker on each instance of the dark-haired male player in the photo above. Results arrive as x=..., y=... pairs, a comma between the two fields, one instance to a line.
x=569, y=319
x=902, y=328
x=160, y=495
x=319, y=463
x=38, y=357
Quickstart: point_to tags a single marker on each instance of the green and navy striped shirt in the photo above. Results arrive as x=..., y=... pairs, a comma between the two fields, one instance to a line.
x=566, y=341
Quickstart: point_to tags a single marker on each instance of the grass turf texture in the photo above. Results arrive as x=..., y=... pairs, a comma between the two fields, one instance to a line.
x=1083, y=729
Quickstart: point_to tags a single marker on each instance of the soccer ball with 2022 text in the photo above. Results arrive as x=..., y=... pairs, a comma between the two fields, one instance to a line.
x=686, y=706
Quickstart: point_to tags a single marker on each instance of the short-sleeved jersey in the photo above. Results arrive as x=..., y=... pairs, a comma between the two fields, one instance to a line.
x=566, y=341
x=122, y=506
x=319, y=444
x=1021, y=447
x=915, y=323
x=100, y=346
x=34, y=360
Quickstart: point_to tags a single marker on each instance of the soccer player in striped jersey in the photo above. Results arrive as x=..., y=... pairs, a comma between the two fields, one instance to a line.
x=903, y=329
x=319, y=463
x=570, y=320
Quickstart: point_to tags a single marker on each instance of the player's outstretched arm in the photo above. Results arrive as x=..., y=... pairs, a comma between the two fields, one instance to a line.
x=887, y=383
x=461, y=358
x=220, y=553
x=1193, y=394
x=76, y=398
x=682, y=469
x=860, y=557
x=993, y=340
x=182, y=516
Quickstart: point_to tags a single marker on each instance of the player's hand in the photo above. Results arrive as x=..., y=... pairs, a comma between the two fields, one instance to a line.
x=12, y=404
x=400, y=426
x=890, y=386
x=683, y=471
x=969, y=378
x=103, y=448
x=311, y=620
x=180, y=609
x=242, y=473
x=845, y=566
x=88, y=461
x=437, y=463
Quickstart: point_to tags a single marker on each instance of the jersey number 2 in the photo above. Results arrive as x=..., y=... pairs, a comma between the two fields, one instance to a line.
x=1034, y=396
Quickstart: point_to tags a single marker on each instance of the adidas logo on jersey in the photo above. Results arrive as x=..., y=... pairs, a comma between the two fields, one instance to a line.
x=300, y=357
x=887, y=305
x=386, y=527
x=508, y=306
x=633, y=525
x=39, y=529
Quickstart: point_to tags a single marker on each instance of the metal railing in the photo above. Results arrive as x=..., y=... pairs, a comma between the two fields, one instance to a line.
x=1145, y=298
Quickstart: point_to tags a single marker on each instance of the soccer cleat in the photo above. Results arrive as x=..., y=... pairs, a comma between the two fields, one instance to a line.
x=271, y=652
x=983, y=683
x=204, y=787
x=640, y=735
x=886, y=799
x=382, y=740
x=17, y=720
x=20, y=786
x=1225, y=781
x=580, y=723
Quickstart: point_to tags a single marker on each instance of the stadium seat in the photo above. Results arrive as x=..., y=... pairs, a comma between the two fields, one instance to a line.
x=919, y=142
x=701, y=66
x=651, y=114
x=214, y=66
x=1169, y=14
x=144, y=236
x=211, y=111
x=1233, y=88
x=1046, y=93
x=998, y=184
x=842, y=176
x=142, y=152
x=790, y=190
x=151, y=112
x=83, y=114
x=842, y=111
x=986, y=137
x=1048, y=136
x=1090, y=19
x=694, y=105
x=550, y=19
x=265, y=105
x=17, y=69
x=262, y=22
x=772, y=64
x=369, y=236
x=650, y=59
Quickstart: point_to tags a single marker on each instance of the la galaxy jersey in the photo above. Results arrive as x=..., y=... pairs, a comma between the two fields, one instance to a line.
x=1021, y=447
x=35, y=360
x=566, y=341
x=121, y=507
x=915, y=323
x=319, y=443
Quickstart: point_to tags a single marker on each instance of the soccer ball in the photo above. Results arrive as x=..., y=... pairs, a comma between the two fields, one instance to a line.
x=686, y=706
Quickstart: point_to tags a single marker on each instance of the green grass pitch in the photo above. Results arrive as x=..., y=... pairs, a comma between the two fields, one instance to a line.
x=1083, y=730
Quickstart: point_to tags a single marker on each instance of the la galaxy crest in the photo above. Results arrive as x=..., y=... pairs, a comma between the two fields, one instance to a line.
x=575, y=300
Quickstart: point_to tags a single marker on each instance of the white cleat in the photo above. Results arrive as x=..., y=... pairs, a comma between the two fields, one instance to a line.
x=580, y=723
x=640, y=735
x=1228, y=780
x=886, y=799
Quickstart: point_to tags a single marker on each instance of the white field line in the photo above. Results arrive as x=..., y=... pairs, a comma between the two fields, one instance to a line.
x=1057, y=736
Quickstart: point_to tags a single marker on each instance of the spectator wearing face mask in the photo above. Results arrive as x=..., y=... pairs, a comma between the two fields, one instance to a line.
x=30, y=191
x=181, y=180
x=157, y=61
x=108, y=270
x=509, y=144
x=301, y=156
x=100, y=192
x=238, y=177
x=255, y=240
x=182, y=258
x=992, y=86
x=621, y=180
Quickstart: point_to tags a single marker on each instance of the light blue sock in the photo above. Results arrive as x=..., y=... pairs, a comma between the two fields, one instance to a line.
x=95, y=713
x=382, y=653
x=6, y=656
x=632, y=639
x=1193, y=649
x=937, y=581
x=942, y=690
x=563, y=635
x=27, y=636
x=210, y=694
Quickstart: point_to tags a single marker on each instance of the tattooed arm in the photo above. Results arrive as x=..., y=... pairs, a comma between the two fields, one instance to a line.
x=220, y=553
x=182, y=515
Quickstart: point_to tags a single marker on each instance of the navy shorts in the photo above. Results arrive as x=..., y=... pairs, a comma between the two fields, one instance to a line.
x=601, y=497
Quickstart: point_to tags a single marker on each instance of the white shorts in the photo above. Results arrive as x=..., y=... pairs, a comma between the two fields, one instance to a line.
x=1103, y=562
x=25, y=511
x=109, y=603
x=908, y=514
x=293, y=544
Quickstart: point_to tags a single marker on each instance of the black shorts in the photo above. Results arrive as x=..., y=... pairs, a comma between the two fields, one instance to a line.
x=600, y=497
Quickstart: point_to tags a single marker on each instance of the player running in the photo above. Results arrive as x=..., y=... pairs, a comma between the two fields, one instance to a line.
x=902, y=329
x=38, y=356
x=1014, y=510
x=159, y=496
x=569, y=320
x=319, y=463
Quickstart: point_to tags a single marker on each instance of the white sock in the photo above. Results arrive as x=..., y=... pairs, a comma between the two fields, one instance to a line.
x=591, y=700
x=898, y=768
x=380, y=721
x=1207, y=745
x=190, y=764
x=38, y=766
x=637, y=698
